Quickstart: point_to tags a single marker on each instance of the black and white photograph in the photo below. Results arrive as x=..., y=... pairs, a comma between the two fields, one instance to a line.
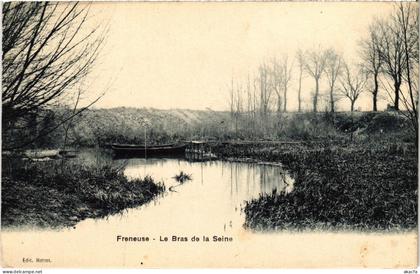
x=209, y=135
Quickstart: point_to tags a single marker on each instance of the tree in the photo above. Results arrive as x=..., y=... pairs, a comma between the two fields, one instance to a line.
x=265, y=91
x=398, y=46
x=332, y=70
x=301, y=62
x=46, y=51
x=236, y=103
x=352, y=84
x=372, y=63
x=315, y=66
x=391, y=52
x=276, y=77
x=287, y=74
x=407, y=19
x=232, y=104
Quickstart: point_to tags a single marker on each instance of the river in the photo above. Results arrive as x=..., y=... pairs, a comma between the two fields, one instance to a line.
x=175, y=226
x=211, y=202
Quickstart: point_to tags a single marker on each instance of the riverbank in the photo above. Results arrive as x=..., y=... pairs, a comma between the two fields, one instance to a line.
x=342, y=186
x=50, y=194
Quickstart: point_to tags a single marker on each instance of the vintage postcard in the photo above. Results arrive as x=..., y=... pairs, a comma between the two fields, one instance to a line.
x=209, y=135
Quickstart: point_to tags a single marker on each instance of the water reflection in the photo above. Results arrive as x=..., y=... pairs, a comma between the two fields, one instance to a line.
x=212, y=201
x=209, y=204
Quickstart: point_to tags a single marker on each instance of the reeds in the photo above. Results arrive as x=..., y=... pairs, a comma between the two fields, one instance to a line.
x=46, y=194
x=182, y=177
x=355, y=186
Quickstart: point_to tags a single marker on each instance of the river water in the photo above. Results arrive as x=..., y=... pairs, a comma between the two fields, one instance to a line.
x=211, y=202
x=178, y=223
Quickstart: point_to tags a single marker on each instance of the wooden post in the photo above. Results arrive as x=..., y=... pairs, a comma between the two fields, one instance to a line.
x=145, y=141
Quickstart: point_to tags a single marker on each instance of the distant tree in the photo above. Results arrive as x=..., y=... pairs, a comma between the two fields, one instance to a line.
x=236, y=104
x=287, y=75
x=265, y=91
x=315, y=62
x=276, y=78
x=372, y=63
x=333, y=69
x=232, y=100
x=46, y=51
x=301, y=62
x=249, y=103
x=352, y=84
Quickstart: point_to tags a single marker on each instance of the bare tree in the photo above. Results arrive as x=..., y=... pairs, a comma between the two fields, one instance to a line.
x=352, y=84
x=332, y=70
x=407, y=19
x=315, y=66
x=372, y=62
x=238, y=106
x=287, y=74
x=276, y=77
x=46, y=51
x=301, y=62
x=249, y=104
x=232, y=105
x=232, y=99
x=391, y=52
x=265, y=91
x=69, y=124
x=254, y=102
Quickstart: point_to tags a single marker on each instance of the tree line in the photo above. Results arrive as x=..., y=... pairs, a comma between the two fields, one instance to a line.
x=387, y=65
x=48, y=49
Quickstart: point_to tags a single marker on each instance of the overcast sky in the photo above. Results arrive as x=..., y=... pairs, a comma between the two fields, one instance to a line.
x=183, y=55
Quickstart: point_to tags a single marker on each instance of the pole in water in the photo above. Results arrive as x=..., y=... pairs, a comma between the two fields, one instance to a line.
x=145, y=142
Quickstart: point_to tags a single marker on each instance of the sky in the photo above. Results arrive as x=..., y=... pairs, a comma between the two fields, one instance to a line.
x=184, y=55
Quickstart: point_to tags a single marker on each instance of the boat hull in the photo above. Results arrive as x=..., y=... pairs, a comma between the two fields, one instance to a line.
x=153, y=151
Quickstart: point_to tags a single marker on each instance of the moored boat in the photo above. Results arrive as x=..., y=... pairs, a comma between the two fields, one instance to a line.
x=124, y=150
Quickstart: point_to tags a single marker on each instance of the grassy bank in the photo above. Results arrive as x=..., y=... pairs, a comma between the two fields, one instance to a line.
x=48, y=194
x=342, y=186
x=100, y=127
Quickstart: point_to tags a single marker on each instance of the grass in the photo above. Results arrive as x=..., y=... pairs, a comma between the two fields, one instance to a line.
x=47, y=194
x=353, y=186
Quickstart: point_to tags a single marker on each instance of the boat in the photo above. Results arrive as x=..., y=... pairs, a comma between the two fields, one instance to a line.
x=49, y=154
x=128, y=150
x=140, y=146
x=66, y=153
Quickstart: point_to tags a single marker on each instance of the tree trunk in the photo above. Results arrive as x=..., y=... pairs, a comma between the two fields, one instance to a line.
x=299, y=91
x=285, y=100
x=375, y=93
x=278, y=104
x=236, y=126
x=332, y=98
x=397, y=85
x=315, y=102
x=352, y=105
